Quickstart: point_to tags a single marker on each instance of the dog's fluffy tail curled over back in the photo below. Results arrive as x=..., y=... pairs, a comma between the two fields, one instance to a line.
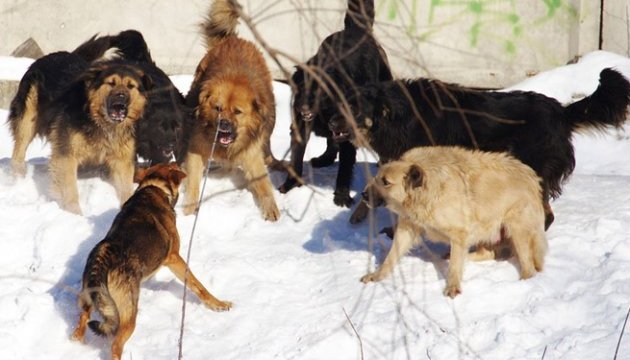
x=606, y=107
x=221, y=21
x=129, y=44
x=96, y=293
x=360, y=15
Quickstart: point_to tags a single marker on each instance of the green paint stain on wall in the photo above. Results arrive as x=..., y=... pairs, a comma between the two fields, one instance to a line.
x=513, y=18
x=510, y=47
x=476, y=7
x=474, y=34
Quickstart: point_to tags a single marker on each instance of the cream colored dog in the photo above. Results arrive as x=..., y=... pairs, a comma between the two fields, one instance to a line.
x=464, y=198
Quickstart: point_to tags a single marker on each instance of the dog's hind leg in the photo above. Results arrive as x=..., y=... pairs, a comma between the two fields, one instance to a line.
x=23, y=127
x=521, y=243
x=126, y=299
x=347, y=159
x=79, y=332
x=178, y=266
x=328, y=157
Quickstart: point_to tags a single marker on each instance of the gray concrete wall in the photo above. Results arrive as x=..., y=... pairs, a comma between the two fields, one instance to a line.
x=486, y=44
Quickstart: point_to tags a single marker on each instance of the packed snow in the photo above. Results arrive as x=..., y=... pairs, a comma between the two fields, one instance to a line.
x=295, y=283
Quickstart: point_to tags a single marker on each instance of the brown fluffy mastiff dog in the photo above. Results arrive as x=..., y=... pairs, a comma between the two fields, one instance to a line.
x=87, y=112
x=234, y=109
x=142, y=238
x=464, y=198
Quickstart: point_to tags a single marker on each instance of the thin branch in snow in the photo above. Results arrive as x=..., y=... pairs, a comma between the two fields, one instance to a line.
x=623, y=328
x=355, y=332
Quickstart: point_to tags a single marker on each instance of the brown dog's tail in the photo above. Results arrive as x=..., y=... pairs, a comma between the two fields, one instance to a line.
x=221, y=21
x=606, y=107
x=360, y=15
x=96, y=293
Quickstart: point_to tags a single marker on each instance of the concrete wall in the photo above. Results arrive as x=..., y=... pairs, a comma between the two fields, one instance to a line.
x=478, y=43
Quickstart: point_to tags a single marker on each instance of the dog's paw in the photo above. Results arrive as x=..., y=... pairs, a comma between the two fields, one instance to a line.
x=189, y=209
x=220, y=306
x=288, y=185
x=72, y=207
x=19, y=169
x=342, y=198
x=371, y=277
x=270, y=210
x=322, y=161
x=452, y=291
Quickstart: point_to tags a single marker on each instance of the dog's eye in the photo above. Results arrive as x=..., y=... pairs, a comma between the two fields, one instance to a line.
x=130, y=86
x=218, y=108
x=111, y=83
x=237, y=111
x=386, y=182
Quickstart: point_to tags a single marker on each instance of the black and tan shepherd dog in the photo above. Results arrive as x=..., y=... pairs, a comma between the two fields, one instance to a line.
x=345, y=59
x=233, y=111
x=143, y=237
x=88, y=111
x=393, y=117
x=159, y=136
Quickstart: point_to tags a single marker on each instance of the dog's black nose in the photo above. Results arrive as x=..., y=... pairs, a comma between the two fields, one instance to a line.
x=224, y=125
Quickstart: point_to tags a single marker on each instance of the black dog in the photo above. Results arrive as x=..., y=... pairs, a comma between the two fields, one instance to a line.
x=344, y=60
x=159, y=135
x=396, y=116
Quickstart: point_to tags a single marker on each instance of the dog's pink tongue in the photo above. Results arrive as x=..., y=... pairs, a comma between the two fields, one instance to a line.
x=224, y=140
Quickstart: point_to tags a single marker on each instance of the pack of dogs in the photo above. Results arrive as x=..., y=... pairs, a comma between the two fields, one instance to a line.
x=474, y=169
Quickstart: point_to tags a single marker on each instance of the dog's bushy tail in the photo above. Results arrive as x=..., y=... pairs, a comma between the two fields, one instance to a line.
x=129, y=44
x=96, y=293
x=604, y=108
x=221, y=21
x=360, y=15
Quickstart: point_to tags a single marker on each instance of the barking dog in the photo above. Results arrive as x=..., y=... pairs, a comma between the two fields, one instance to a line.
x=88, y=113
x=159, y=136
x=345, y=60
x=233, y=102
x=142, y=238
x=464, y=198
x=396, y=116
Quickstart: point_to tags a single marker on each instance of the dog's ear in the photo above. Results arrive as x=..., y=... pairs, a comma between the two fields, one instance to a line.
x=260, y=109
x=91, y=74
x=414, y=177
x=147, y=82
x=139, y=174
x=176, y=175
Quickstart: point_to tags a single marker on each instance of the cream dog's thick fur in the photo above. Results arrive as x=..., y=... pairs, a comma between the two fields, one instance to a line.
x=464, y=198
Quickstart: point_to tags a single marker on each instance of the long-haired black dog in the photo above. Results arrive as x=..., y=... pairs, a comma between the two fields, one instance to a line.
x=344, y=60
x=396, y=116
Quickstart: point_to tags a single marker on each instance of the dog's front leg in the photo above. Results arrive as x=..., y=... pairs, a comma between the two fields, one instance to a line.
x=178, y=266
x=63, y=170
x=347, y=159
x=194, y=168
x=404, y=238
x=259, y=184
x=299, y=139
x=121, y=176
x=459, y=252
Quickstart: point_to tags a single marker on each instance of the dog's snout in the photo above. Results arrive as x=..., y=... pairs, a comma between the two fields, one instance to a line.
x=365, y=196
x=224, y=125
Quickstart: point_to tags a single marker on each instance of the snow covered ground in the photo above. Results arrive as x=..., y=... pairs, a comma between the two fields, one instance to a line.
x=295, y=283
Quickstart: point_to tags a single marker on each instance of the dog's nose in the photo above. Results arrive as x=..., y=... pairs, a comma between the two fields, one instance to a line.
x=224, y=125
